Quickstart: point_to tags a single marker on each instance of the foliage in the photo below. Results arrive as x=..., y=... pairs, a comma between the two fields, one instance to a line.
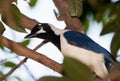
x=106, y=12
x=25, y=42
x=11, y=15
x=52, y=78
x=9, y=64
x=1, y=73
x=73, y=70
x=75, y=7
x=112, y=25
x=33, y=3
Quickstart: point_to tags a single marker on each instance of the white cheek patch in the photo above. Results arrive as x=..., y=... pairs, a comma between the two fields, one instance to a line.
x=41, y=31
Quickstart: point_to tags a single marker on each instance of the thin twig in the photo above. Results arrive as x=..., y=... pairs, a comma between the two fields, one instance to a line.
x=22, y=62
x=12, y=70
x=27, y=69
x=40, y=45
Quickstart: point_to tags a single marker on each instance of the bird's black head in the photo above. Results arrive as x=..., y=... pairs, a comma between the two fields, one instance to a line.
x=47, y=32
x=44, y=31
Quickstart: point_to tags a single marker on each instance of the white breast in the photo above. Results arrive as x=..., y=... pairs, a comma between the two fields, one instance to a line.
x=83, y=55
x=92, y=59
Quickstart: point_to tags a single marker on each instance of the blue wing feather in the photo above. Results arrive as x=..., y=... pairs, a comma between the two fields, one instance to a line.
x=85, y=42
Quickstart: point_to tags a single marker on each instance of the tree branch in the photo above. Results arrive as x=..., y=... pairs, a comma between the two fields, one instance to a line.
x=12, y=70
x=23, y=51
x=73, y=23
x=21, y=62
x=28, y=22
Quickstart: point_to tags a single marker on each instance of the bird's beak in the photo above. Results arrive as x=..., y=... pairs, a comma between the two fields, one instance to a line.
x=30, y=35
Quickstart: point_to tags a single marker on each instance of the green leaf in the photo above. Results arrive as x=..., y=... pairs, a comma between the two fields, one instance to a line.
x=103, y=12
x=86, y=24
x=10, y=64
x=115, y=9
x=1, y=47
x=76, y=71
x=52, y=78
x=2, y=29
x=25, y=42
x=33, y=2
x=75, y=7
x=12, y=17
x=113, y=25
x=115, y=45
x=108, y=28
x=1, y=73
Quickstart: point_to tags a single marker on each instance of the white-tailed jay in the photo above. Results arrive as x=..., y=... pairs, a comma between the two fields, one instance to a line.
x=76, y=45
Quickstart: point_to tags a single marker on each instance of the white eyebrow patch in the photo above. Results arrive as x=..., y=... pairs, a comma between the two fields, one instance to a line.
x=41, y=31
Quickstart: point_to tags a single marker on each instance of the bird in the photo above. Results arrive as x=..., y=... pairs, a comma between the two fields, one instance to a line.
x=76, y=45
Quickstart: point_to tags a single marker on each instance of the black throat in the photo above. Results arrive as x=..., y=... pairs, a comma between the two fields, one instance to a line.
x=56, y=41
x=50, y=35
